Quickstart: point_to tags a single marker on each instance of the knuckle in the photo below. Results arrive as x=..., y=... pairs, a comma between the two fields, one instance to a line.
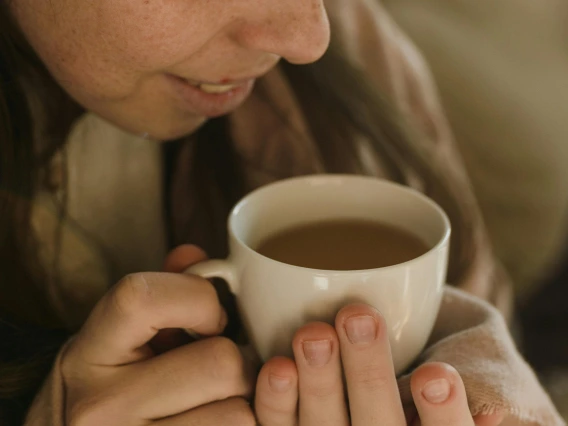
x=88, y=412
x=131, y=294
x=72, y=366
x=228, y=363
x=267, y=404
x=208, y=289
x=274, y=409
x=322, y=389
x=68, y=366
x=372, y=378
x=208, y=299
x=82, y=416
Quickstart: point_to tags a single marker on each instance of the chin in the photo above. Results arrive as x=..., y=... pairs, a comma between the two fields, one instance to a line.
x=177, y=132
x=160, y=131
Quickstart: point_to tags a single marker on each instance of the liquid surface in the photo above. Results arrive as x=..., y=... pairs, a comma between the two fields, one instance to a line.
x=343, y=245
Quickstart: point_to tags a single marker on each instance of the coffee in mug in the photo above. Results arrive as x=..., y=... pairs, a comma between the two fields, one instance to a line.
x=303, y=248
x=343, y=245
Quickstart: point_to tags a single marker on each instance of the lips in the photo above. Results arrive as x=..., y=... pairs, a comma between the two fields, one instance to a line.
x=215, y=89
x=209, y=99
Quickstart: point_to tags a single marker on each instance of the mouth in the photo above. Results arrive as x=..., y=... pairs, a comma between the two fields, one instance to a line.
x=215, y=89
x=211, y=99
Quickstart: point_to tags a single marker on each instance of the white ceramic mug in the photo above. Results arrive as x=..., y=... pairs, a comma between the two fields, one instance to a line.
x=275, y=298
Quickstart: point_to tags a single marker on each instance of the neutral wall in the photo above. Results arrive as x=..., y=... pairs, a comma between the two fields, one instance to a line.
x=502, y=70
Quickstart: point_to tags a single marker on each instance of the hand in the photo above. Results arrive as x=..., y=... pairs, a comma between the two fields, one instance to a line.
x=125, y=367
x=359, y=342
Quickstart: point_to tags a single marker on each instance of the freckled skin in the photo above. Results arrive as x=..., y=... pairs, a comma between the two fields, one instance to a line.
x=112, y=56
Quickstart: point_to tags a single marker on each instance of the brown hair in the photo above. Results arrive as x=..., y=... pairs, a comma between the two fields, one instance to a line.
x=30, y=331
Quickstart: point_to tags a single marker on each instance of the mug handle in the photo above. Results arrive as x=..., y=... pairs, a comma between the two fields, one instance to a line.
x=214, y=269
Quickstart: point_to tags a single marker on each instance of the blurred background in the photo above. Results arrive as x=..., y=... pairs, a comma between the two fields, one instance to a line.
x=502, y=70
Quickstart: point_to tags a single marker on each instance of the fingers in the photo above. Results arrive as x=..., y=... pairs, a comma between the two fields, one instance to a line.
x=182, y=257
x=168, y=339
x=276, y=400
x=177, y=261
x=479, y=420
x=440, y=396
x=139, y=306
x=365, y=351
x=232, y=412
x=438, y=390
x=187, y=377
x=489, y=419
x=322, y=401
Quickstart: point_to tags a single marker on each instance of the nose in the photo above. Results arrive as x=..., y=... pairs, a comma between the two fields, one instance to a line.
x=296, y=30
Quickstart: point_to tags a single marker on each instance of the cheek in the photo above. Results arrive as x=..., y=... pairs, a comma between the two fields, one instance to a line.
x=153, y=34
x=107, y=47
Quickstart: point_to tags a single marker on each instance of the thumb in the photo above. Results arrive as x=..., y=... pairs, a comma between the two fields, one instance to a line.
x=182, y=257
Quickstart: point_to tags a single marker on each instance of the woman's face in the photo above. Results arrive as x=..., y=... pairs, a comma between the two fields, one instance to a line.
x=162, y=67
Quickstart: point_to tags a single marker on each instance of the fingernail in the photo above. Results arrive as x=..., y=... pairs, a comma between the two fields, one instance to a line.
x=361, y=329
x=436, y=391
x=317, y=352
x=279, y=384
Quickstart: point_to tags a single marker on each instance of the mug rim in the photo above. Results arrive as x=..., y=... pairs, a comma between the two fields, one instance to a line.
x=444, y=240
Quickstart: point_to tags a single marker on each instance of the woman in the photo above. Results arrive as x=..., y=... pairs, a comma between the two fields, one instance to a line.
x=89, y=199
